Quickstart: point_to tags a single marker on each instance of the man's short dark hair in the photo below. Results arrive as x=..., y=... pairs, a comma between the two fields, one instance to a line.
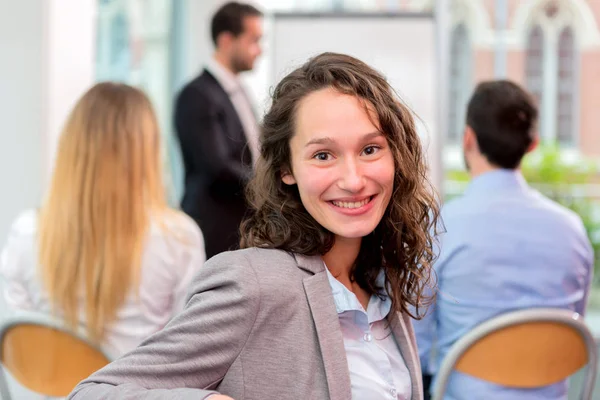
x=503, y=117
x=230, y=18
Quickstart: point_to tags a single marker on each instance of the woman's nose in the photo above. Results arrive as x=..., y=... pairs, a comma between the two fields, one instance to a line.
x=351, y=177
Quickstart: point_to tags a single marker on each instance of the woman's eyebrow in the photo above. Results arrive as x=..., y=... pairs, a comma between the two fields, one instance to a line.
x=321, y=140
x=329, y=140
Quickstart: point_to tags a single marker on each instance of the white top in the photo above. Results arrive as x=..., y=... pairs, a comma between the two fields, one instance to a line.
x=241, y=102
x=377, y=368
x=168, y=267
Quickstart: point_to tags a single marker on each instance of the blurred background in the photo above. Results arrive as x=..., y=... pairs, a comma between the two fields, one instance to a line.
x=57, y=48
x=52, y=50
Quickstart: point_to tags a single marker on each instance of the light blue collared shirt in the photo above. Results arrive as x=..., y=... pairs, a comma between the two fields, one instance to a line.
x=376, y=366
x=505, y=247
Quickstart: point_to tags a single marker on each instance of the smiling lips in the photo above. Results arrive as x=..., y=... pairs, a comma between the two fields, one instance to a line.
x=352, y=206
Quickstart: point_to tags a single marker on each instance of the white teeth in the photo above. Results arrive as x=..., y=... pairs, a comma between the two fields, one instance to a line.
x=352, y=204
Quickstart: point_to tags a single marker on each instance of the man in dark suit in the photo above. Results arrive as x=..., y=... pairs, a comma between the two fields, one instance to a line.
x=217, y=129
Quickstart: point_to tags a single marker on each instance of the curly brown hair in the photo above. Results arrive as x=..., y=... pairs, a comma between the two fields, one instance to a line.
x=402, y=243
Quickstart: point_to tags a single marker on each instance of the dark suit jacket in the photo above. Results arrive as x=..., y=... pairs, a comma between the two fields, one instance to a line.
x=217, y=161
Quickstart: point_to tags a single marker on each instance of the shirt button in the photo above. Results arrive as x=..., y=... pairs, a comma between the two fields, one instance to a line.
x=393, y=392
x=367, y=337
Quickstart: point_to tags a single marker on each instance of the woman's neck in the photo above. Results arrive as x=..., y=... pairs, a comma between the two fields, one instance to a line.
x=341, y=258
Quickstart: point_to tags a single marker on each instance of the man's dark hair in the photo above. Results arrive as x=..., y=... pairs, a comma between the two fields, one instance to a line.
x=230, y=18
x=503, y=117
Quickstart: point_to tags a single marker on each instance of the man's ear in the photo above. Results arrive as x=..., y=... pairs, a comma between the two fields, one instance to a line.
x=469, y=139
x=224, y=40
x=534, y=144
x=288, y=178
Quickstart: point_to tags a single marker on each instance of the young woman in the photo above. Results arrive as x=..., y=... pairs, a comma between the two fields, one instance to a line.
x=104, y=250
x=337, y=251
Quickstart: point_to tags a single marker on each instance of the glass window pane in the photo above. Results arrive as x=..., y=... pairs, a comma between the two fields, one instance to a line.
x=565, y=133
x=534, y=72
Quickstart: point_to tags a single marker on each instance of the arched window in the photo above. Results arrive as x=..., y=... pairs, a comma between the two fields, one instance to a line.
x=534, y=69
x=565, y=88
x=459, y=82
x=552, y=68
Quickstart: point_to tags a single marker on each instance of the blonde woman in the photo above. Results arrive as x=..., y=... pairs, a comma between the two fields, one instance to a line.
x=105, y=251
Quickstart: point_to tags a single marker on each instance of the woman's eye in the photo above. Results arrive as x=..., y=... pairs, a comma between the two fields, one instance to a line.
x=322, y=156
x=370, y=150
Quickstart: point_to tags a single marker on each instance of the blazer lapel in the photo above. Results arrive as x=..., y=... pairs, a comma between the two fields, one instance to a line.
x=404, y=335
x=331, y=342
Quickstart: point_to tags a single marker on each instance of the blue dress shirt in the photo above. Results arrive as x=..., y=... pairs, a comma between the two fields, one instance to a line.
x=377, y=369
x=505, y=247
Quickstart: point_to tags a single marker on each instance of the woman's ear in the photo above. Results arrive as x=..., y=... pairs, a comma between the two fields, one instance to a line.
x=287, y=178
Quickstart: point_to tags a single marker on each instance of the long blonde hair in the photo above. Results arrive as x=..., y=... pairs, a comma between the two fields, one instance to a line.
x=106, y=183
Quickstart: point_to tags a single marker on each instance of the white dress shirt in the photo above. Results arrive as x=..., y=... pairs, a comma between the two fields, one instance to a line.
x=376, y=366
x=241, y=102
x=170, y=260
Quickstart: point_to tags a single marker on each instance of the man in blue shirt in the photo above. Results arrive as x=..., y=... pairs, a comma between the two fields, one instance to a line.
x=505, y=246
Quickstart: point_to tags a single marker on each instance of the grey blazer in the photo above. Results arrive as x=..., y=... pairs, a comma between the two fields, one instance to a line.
x=260, y=324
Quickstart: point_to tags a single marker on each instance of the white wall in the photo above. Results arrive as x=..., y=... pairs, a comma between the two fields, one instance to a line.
x=21, y=117
x=47, y=61
x=69, y=48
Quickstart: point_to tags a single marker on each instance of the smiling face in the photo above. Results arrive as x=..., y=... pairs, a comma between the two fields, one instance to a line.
x=342, y=164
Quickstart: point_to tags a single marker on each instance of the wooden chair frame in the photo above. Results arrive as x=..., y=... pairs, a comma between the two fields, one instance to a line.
x=51, y=326
x=488, y=343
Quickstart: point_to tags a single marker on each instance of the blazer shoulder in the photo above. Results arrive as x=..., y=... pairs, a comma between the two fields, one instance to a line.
x=256, y=257
x=207, y=84
x=275, y=276
x=274, y=268
x=194, y=91
x=202, y=94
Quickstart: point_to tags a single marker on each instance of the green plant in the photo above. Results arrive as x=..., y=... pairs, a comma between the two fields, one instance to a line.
x=547, y=166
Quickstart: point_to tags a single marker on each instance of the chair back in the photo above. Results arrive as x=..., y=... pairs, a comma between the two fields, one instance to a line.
x=45, y=357
x=524, y=349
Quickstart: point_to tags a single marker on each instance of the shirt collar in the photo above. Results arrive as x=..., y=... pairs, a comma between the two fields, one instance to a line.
x=500, y=179
x=227, y=79
x=345, y=300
